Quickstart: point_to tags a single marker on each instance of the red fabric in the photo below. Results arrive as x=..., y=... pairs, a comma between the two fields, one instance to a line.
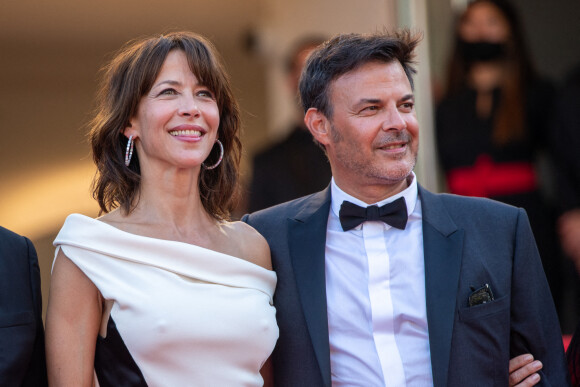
x=566, y=340
x=488, y=179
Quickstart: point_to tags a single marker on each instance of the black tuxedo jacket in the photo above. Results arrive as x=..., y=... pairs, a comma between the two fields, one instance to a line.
x=467, y=242
x=22, y=359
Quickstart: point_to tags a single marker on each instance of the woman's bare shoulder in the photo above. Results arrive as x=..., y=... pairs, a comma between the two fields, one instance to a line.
x=249, y=243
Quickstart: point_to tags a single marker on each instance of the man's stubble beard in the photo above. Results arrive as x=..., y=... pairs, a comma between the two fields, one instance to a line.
x=369, y=170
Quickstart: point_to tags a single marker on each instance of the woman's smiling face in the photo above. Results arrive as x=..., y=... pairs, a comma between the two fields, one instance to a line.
x=177, y=120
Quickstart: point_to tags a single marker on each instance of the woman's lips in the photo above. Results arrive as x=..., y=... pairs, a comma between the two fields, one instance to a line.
x=188, y=132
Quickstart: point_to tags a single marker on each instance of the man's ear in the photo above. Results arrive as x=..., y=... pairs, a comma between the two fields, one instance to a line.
x=318, y=125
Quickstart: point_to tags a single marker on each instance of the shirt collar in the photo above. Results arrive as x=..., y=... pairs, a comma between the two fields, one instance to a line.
x=410, y=194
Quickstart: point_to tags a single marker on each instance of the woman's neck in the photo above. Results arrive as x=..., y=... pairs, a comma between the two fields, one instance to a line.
x=484, y=78
x=172, y=201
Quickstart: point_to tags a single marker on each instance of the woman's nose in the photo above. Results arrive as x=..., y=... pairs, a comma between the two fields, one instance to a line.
x=189, y=107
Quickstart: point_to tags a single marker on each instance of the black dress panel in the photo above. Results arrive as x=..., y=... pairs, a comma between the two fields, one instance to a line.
x=114, y=365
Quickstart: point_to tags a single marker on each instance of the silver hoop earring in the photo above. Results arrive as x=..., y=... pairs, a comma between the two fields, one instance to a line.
x=219, y=160
x=129, y=151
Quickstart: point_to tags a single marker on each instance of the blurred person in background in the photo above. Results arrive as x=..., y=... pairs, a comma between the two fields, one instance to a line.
x=566, y=143
x=493, y=122
x=295, y=166
x=162, y=290
x=573, y=357
x=22, y=359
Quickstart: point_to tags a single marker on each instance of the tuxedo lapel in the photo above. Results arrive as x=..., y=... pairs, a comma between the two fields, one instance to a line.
x=307, y=239
x=443, y=243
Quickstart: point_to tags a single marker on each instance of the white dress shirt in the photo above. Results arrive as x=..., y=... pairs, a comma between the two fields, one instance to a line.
x=375, y=290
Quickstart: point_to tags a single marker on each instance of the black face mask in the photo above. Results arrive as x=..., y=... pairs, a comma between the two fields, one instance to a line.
x=481, y=51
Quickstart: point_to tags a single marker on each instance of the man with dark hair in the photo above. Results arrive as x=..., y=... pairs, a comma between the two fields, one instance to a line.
x=381, y=282
x=22, y=359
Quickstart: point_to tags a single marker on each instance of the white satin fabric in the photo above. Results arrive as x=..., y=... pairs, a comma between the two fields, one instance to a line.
x=188, y=315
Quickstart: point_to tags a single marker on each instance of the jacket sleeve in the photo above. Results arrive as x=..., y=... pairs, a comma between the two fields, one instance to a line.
x=534, y=323
x=36, y=375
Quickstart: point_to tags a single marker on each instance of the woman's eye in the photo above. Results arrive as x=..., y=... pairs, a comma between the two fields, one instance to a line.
x=168, y=92
x=205, y=93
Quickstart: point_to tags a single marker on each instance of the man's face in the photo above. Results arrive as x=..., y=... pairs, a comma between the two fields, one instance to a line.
x=374, y=132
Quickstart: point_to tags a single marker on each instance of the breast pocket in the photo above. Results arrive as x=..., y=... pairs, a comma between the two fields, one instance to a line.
x=481, y=345
x=484, y=310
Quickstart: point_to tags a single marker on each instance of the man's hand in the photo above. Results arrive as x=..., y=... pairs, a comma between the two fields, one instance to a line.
x=523, y=371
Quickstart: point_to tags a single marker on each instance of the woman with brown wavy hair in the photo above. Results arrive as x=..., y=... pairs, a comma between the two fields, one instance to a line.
x=162, y=289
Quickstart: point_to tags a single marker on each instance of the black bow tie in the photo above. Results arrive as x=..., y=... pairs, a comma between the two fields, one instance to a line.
x=393, y=214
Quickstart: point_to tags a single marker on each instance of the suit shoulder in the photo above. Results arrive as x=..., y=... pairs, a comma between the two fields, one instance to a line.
x=283, y=210
x=482, y=219
x=6, y=234
x=477, y=208
x=10, y=240
x=484, y=204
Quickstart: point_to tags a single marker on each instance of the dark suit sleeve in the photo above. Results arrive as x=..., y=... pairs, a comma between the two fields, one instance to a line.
x=534, y=323
x=36, y=375
x=22, y=355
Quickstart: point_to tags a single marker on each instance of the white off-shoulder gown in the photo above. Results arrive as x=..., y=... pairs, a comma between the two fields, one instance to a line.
x=182, y=315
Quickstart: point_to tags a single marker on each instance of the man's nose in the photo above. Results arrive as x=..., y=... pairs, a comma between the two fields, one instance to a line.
x=394, y=119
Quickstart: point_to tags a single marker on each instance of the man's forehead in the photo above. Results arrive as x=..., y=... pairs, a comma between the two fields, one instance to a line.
x=364, y=66
x=361, y=77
